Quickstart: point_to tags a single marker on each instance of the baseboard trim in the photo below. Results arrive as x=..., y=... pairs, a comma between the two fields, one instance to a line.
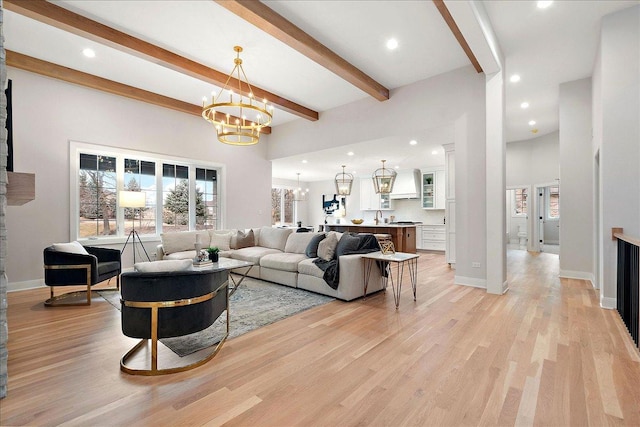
x=470, y=281
x=608, y=303
x=27, y=284
x=583, y=275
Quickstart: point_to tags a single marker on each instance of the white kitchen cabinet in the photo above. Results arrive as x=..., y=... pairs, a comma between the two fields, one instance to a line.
x=370, y=200
x=433, y=237
x=433, y=189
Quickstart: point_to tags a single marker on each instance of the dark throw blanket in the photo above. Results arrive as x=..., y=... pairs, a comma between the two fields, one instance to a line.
x=350, y=243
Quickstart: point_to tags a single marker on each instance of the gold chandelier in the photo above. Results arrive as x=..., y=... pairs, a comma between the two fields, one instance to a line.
x=230, y=118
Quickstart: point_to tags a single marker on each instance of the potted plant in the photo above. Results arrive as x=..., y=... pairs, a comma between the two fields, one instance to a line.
x=213, y=253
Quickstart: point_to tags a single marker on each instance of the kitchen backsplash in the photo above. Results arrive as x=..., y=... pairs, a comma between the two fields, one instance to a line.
x=409, y=210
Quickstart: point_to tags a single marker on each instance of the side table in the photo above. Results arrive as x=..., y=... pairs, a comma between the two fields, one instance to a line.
x=399, y=259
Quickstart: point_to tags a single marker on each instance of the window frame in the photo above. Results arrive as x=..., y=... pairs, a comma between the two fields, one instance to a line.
x=547, y=202
x=282, y=214
x=75, y=148
x=514, y=213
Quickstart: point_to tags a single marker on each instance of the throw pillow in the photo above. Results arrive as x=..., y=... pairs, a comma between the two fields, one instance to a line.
x=221, y=241
x=327, y=247
x=312, y=247
x=161, y=266
x=347, y=244
x=245, y=240
x=72, y=247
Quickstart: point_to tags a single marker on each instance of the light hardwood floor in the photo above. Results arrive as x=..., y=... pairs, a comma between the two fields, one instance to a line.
x=543, y=354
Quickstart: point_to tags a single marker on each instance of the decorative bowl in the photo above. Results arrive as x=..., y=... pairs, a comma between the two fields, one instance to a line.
x=357, y=221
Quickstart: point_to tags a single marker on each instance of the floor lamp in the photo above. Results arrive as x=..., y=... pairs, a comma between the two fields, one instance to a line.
x=134, y=200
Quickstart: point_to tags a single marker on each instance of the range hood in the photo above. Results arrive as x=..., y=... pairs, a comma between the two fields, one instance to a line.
x=407, y=185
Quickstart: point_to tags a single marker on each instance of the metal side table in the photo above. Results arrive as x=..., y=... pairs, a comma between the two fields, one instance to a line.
x=399, y=259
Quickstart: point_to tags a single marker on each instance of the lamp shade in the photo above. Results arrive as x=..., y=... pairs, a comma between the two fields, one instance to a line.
x=132, y=199
x=343, y=182
x=383, y=179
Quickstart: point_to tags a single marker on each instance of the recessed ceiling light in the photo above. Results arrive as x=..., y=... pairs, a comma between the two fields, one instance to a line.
x=304, y=161
x=350, y=153
x=514, y=78
x=89, y=53
x=353, y=171
x=532, y=122
x=524, y=105
x=392, y=44
x=413, y=142
x=434, y=152
x=543, y=4
x=397, y=167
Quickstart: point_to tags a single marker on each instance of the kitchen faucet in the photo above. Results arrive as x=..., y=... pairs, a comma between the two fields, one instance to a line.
x=376, y=219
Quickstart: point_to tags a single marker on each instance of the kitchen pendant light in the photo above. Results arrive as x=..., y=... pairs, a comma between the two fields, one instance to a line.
x=343, y=182
x=383, y=179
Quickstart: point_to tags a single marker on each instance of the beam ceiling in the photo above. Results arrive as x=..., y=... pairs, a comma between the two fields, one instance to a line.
x=64, y=19
x=38, y=66
x=446, y=15
x=274, y=24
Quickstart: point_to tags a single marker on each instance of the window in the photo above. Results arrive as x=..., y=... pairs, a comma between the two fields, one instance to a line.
x=179, y=195
x=97, y=195
x=553, y=203
x=282, y=206
x=206, y=198
x=520, y=201
x=140, y=175
x=175, y=197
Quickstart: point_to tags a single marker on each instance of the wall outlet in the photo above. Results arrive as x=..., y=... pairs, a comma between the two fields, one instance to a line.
x=475, y=264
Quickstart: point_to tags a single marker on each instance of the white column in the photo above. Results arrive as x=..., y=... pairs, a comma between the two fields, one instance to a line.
x=450, y=203
x=495, y=186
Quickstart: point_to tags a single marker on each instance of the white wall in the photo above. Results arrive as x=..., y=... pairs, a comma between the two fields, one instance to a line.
x=619, y=126
x=534, y=161
x=576, y=192
x=456, y=98
x=48, y=113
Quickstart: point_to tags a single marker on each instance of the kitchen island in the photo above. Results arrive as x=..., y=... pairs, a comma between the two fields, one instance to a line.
x=402, y=235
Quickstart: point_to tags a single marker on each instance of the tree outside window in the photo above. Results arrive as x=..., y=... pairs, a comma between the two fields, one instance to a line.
x=282, y=206
x=140, y=175
x=97, y=196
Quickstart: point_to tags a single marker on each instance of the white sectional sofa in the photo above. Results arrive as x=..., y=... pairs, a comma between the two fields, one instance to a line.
x=279, y=256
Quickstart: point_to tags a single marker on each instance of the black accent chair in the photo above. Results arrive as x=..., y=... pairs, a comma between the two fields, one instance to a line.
x=69, y=269
x=171, y=304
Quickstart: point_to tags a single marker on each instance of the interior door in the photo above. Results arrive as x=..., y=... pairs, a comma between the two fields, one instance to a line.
x=541, y=218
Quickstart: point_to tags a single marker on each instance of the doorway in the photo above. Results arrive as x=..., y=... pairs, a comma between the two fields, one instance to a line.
x=548, y=218
x=518, y=201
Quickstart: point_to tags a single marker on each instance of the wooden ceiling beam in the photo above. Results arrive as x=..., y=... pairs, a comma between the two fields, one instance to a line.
x=64, y=19
x=446, y=15
x=274, y=24
x=38, y=66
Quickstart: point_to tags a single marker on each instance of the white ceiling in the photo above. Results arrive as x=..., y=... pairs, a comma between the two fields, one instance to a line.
x=546, y=47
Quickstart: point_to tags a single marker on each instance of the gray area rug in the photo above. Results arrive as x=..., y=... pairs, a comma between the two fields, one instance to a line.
x=255, y=304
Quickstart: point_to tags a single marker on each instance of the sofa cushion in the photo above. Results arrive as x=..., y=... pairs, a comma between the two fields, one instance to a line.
x=312, y=248
x=159, y=266
x=309, y=268
x=327, y=247
x=274, y=238
x=244, y=239
x=347, y=244
x=297, y=242
x=221, y=240
x=253, y=253
x=74, y=247
x=183, y=240
x=283, y=261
